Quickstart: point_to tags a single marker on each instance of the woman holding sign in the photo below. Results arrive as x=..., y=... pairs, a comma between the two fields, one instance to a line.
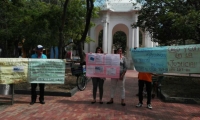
x=97, y=82
x=121, y=80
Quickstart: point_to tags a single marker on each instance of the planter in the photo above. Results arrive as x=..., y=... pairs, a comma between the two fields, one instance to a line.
x=6, y=89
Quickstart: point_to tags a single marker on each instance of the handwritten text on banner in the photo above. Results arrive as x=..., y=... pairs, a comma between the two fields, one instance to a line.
x=46, y=71
x=167, y=59
x=19, y=70
x=13, y=70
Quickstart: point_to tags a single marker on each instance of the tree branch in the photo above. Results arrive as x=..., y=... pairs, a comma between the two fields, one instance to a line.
x=90, y=6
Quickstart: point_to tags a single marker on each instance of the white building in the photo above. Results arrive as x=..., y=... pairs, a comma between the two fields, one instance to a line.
x=118, y=15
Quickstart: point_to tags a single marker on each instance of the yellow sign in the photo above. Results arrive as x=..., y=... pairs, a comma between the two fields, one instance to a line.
x=13, y=70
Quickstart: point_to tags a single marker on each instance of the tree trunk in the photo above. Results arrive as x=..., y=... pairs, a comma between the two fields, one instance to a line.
x=80, y=50
x=90, y=6
x=61, y=37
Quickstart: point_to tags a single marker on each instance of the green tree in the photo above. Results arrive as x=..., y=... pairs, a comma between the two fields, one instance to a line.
x=171, y=21
x=11, y=20
x=19, y=21
x=78, y=22
x=42, y=23
x=45, y=22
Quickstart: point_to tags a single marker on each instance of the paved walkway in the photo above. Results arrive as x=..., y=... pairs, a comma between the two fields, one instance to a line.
x=79, y=107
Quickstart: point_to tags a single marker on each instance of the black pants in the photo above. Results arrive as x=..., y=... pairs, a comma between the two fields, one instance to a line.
x=148, y=90
x=34, y=94
x=97, y=82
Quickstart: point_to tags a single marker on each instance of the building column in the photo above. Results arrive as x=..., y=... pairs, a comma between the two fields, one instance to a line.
x=155, y=44
x=150, y=43
x=92, y=44
x=136, y=31
x=86, y=50
x=143, y=39
x=105, y=40
x=110, y=40
x=132, y=43
x=147, y=39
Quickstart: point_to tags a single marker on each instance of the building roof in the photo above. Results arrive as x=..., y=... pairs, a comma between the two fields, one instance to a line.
x=120, y=5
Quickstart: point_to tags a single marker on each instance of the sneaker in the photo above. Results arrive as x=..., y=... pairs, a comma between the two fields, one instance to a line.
x=149, y=106
x=42, y=102
x=32, y=102
x=139, y=105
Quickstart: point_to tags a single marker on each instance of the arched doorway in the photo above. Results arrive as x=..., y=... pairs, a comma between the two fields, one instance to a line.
x=120, y=40
x=100, y=39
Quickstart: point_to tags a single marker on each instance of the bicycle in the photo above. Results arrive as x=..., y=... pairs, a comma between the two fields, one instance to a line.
x=80, y=73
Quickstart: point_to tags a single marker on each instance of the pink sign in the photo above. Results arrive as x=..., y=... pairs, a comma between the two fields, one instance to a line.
x=102, y=65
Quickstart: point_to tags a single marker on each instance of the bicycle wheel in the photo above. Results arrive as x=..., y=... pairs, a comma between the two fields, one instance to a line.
x=81, y=82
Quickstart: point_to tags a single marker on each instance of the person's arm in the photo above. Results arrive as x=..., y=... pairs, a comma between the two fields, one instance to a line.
x=124, y=68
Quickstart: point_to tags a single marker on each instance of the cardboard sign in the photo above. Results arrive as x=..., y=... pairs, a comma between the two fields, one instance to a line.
x=102, y=65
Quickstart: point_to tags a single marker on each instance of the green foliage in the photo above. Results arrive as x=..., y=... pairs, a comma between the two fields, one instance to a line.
x=38, y=22
x=44, y=27
x=76, y=20
x=171, y=21
x=10, y=25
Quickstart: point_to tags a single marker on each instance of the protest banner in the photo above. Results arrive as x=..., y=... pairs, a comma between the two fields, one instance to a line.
x=13, y=70
x=18, y=70
x=102, y=65
x=50, y=71
x=167, y=59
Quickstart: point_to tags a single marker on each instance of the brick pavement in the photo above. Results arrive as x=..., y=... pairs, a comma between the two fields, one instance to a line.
x=79, y=107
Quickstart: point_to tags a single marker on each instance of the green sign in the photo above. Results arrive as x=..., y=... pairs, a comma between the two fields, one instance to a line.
x=50, y=71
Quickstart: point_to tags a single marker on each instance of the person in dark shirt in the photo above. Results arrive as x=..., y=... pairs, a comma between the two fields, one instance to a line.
x=98, y=82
